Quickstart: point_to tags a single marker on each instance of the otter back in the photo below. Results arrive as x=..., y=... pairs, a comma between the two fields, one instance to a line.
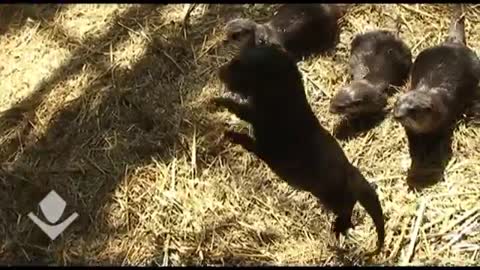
x=380, y=55
x=450, y=66
x=307, y=28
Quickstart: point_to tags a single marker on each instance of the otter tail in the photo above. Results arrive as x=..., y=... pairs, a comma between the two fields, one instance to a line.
x=456, y=33
x=368, y=198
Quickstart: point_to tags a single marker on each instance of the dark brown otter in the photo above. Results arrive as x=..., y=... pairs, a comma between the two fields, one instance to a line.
x=378, y=59
x=289, y=137
x=444, y=79
x=300, y=29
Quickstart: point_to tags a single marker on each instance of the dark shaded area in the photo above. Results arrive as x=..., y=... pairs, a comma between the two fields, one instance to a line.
x=91, y=49
x=348, y=128
x=219, y=228
x=134, y=114
x=14, y=16
x=430, y=154
x=472, y=114
x=124, y=117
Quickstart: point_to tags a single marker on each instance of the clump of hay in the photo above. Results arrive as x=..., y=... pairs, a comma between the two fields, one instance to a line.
x=108, y=105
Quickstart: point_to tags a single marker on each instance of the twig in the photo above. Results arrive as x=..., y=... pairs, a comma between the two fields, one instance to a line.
x=471, y=223
x=191, y=7
x=456, y=222
x=174, y=62
x=165, y=251
x=421, y=41
x=399, y=242
x=454, y=194
x=392, y=177
x=208, y=49
x=414, y=235
x=417, y=11
x=438, y=220
x=314, y=83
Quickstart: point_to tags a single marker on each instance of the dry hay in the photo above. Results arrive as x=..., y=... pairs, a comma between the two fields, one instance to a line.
x=108, y=105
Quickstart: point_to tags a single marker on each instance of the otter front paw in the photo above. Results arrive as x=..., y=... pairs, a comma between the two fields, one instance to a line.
x=242, y=139
x=234, y=137
x=341, y=226
x=220, y=102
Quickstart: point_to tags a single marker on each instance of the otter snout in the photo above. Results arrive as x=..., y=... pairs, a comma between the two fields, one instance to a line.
x=401, y=111
x=340, y=101
x=335, y=108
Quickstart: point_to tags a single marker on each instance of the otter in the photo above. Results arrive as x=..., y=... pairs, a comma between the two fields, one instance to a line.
x=300, y=29
x=290, y=139
x=378, y=60
x=443, y=79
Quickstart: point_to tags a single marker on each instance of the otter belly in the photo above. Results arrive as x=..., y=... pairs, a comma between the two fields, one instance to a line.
x=297, y=174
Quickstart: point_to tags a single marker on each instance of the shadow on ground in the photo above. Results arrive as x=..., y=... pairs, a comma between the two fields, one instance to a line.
x=13, y=17
x=123, y=119
x=350, y=128
x=430, y=154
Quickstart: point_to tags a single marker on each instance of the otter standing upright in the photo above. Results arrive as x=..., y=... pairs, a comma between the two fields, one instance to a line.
x=444, y=79
x=289, y=137
x=300, y=29
x=378, y=59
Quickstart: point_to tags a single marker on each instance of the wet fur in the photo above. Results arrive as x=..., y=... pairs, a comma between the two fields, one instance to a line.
x=300, y=29
x=378, y=59
x=291, y=141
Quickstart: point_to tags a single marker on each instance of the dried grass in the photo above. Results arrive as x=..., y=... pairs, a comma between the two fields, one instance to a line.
x=108, y=105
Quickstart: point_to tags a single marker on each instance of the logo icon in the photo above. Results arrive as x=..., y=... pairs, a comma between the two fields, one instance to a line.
x=52, y=207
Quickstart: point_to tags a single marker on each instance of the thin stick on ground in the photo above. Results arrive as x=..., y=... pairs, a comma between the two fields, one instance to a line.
x=399, y=241
x=416, y=229
x=456, y=222
x=407, y=7
x=467, y=227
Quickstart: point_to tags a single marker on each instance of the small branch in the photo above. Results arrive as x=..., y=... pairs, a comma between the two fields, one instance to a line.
x=416, y=229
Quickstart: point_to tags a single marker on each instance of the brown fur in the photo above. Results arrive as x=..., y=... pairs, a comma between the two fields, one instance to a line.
x=289, y=137
x=444, y=79
x=378, y=60
x=300, y=29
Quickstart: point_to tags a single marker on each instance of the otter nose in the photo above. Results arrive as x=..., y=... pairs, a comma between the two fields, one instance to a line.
x=400, y=112
x=336, y=108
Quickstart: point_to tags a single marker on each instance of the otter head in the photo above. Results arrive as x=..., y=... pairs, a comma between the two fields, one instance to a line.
x=265, y=35
x=240, y=30
x=249, y=33
x=360, y=97
x=262, y=72
x=420, y=111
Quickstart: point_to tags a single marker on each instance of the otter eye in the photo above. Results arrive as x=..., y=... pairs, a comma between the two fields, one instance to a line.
x=412, y=111
x=428, y=109
x=356, y=102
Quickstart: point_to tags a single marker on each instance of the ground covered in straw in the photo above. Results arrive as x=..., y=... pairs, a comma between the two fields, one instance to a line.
x=108, y=106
